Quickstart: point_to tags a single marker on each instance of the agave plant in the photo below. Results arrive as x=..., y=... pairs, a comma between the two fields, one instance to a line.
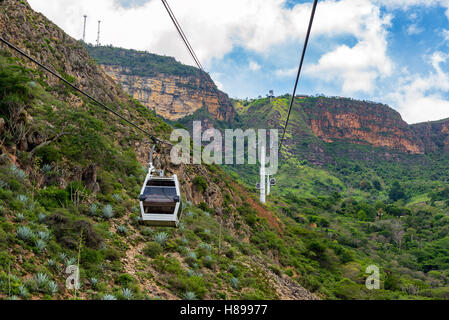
x=47, y=168
x=122, y=230
x=52, y=287
x=22, y=198
x=235, y=283
x=18, y=172
x=70, y=261
x=40, y=245
x=25, y=233
x=117, y=197
x=191, y=255
x=51, y=263
x=41, y=280
x=23, y=292
x=3, y=184
x=13, y=298
x=108, y=211
x=109, y=297
x=41, y=217
x=190, y=214
x=190, y=272
x=93, y=209
x=161, y=238
x=208, y=258
x=127, y=294
x=189, y=295
x=205, y=247
x=93, y=281
x=20, y=217
x=44, y=235
x=62, y=256
x=207, y=231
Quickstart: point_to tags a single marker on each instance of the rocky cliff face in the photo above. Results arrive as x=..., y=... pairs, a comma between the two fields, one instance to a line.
x=434, y=135
x=361, y=123
x=171, y=96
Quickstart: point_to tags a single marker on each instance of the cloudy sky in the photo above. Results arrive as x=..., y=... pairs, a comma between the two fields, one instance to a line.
x=391, y=51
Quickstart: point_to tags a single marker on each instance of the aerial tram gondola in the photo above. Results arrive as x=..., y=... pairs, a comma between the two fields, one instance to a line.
x=160, y=198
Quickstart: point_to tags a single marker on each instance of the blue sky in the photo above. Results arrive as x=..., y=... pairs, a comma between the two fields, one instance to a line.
x=391, y=51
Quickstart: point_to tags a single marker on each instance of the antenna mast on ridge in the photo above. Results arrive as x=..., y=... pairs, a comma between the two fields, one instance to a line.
x=98, y=36
x=84, y=29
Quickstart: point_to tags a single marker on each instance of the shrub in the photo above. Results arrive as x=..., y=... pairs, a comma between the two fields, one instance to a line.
x=201, y=183
x=53, y=197
x=125, y=279
x=152, y=249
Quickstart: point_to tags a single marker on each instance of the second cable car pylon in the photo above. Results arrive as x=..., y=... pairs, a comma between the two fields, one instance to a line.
x=160, y=198
x=264, y=187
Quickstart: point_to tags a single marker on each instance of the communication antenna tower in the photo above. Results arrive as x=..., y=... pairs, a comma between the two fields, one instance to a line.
x=84, y=29
x=98, y=36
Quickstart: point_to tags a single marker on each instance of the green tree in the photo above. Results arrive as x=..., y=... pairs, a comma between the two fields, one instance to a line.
x=396, y=192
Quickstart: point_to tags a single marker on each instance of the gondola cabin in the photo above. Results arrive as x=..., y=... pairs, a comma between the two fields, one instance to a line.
x=160, y=201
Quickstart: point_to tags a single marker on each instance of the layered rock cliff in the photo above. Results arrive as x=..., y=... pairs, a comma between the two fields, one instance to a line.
x=333, y=119
x=162, y=84
x=434, y=135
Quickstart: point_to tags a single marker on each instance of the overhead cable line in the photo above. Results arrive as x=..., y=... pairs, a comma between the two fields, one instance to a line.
x=299, y=71
x=82, y=92
x=182, y=34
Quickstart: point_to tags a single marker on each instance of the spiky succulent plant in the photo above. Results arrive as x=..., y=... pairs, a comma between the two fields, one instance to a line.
x=189, y=295
x=108, y=211
x=25, y=233
x=127, y=294
x=161, y=238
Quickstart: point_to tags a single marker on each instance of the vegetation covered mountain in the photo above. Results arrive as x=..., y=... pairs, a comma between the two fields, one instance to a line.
x=363, y=178
x=70, y=174
x=171, y=89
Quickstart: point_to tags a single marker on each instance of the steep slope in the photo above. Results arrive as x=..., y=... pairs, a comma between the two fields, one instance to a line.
x=434, y=135
x=162, y=84
x=69, y=177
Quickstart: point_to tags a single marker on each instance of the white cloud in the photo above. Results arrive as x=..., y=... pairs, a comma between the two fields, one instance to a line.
x=286, y=72
x=254, y=66
x=421, y=98
x=446, y=35
x=414, y=29
x=358, y=67
x=214, y=27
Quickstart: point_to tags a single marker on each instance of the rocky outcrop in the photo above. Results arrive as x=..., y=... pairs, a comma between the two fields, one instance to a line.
x=434, y=135
x=358, y=122
x=174, y=97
